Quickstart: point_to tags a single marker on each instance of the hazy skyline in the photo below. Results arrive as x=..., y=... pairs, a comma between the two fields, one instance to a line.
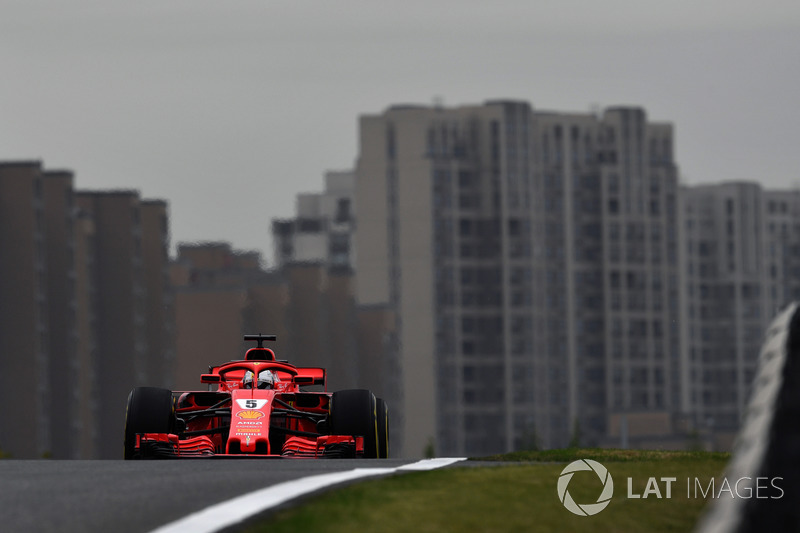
x=228, y=110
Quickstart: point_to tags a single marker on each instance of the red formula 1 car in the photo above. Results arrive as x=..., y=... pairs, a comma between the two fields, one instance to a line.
x=261, y=408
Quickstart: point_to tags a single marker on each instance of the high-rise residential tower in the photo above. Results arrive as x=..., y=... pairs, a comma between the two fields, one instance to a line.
x=63, y=366
x=315, y=253
x=740, y=267
x=531, y=263
x=24, y=316
x=322, y=230
x=125, y=248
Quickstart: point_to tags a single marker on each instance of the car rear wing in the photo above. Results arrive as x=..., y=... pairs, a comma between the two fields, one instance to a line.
x=260, y=338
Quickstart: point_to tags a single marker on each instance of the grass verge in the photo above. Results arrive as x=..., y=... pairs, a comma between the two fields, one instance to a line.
x=515, y=497
x=567, y=455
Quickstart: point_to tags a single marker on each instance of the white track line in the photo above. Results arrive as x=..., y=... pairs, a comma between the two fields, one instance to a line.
x=236, y=510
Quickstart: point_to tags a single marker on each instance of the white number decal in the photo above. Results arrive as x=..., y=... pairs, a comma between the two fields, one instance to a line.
x=251, y=404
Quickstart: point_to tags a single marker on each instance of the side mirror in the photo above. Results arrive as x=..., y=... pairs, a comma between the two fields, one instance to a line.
x=210, y=378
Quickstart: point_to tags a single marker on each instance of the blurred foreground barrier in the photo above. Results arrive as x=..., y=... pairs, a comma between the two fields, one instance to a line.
x=766, y=457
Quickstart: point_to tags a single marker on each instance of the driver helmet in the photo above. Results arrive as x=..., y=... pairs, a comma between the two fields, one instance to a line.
x=247, y=380
x=267, y=379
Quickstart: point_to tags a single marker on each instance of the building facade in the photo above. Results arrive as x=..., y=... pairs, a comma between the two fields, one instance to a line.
x=221, y=294
x=211, y=283
x=531, y=261
x=25, y=431
x=127, y=338
x=159, y=304
x=322, y=230
x=742, y=252
x=62, y=364
x=73, y=325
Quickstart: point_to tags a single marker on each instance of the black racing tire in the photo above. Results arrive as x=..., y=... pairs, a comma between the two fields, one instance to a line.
x=383, y=428
x=353, y=412
x=150, y=410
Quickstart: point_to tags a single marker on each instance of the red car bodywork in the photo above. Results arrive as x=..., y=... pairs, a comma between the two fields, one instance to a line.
x=287, y=420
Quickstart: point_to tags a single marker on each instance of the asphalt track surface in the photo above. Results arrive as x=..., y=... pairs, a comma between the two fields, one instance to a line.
x=139, y=496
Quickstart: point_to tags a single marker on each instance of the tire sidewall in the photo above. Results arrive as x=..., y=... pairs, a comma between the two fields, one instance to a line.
x=149, y=410
x=354, y=413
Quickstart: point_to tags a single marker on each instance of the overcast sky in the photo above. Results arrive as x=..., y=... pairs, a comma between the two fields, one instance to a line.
x=228, y=109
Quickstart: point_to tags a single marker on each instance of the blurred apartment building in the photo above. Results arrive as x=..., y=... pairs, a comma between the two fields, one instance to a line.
x=531, y=259
x=322, y=231
x=217, y=295
x=222, y=293
x=741, y=266
x=317, y=249
x=24, y=334
x=131, y=308
x=85, y=312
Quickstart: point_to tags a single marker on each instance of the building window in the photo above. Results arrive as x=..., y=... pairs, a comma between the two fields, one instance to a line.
x=343, y=210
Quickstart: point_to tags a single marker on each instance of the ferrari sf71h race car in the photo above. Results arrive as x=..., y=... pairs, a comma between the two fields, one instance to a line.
x=261, y=408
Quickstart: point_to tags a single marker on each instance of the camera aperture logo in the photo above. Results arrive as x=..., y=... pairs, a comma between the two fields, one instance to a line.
x=585, y=509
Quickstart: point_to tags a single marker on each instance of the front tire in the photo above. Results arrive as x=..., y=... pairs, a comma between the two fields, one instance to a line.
x=150, y=410
x=353, y=412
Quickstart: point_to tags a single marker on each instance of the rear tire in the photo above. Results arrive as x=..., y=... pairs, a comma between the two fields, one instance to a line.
x=383, y=428
x=353, y=412
x=150, y=410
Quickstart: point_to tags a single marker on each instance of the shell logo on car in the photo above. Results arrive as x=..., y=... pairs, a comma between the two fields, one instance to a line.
x=249, y=414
